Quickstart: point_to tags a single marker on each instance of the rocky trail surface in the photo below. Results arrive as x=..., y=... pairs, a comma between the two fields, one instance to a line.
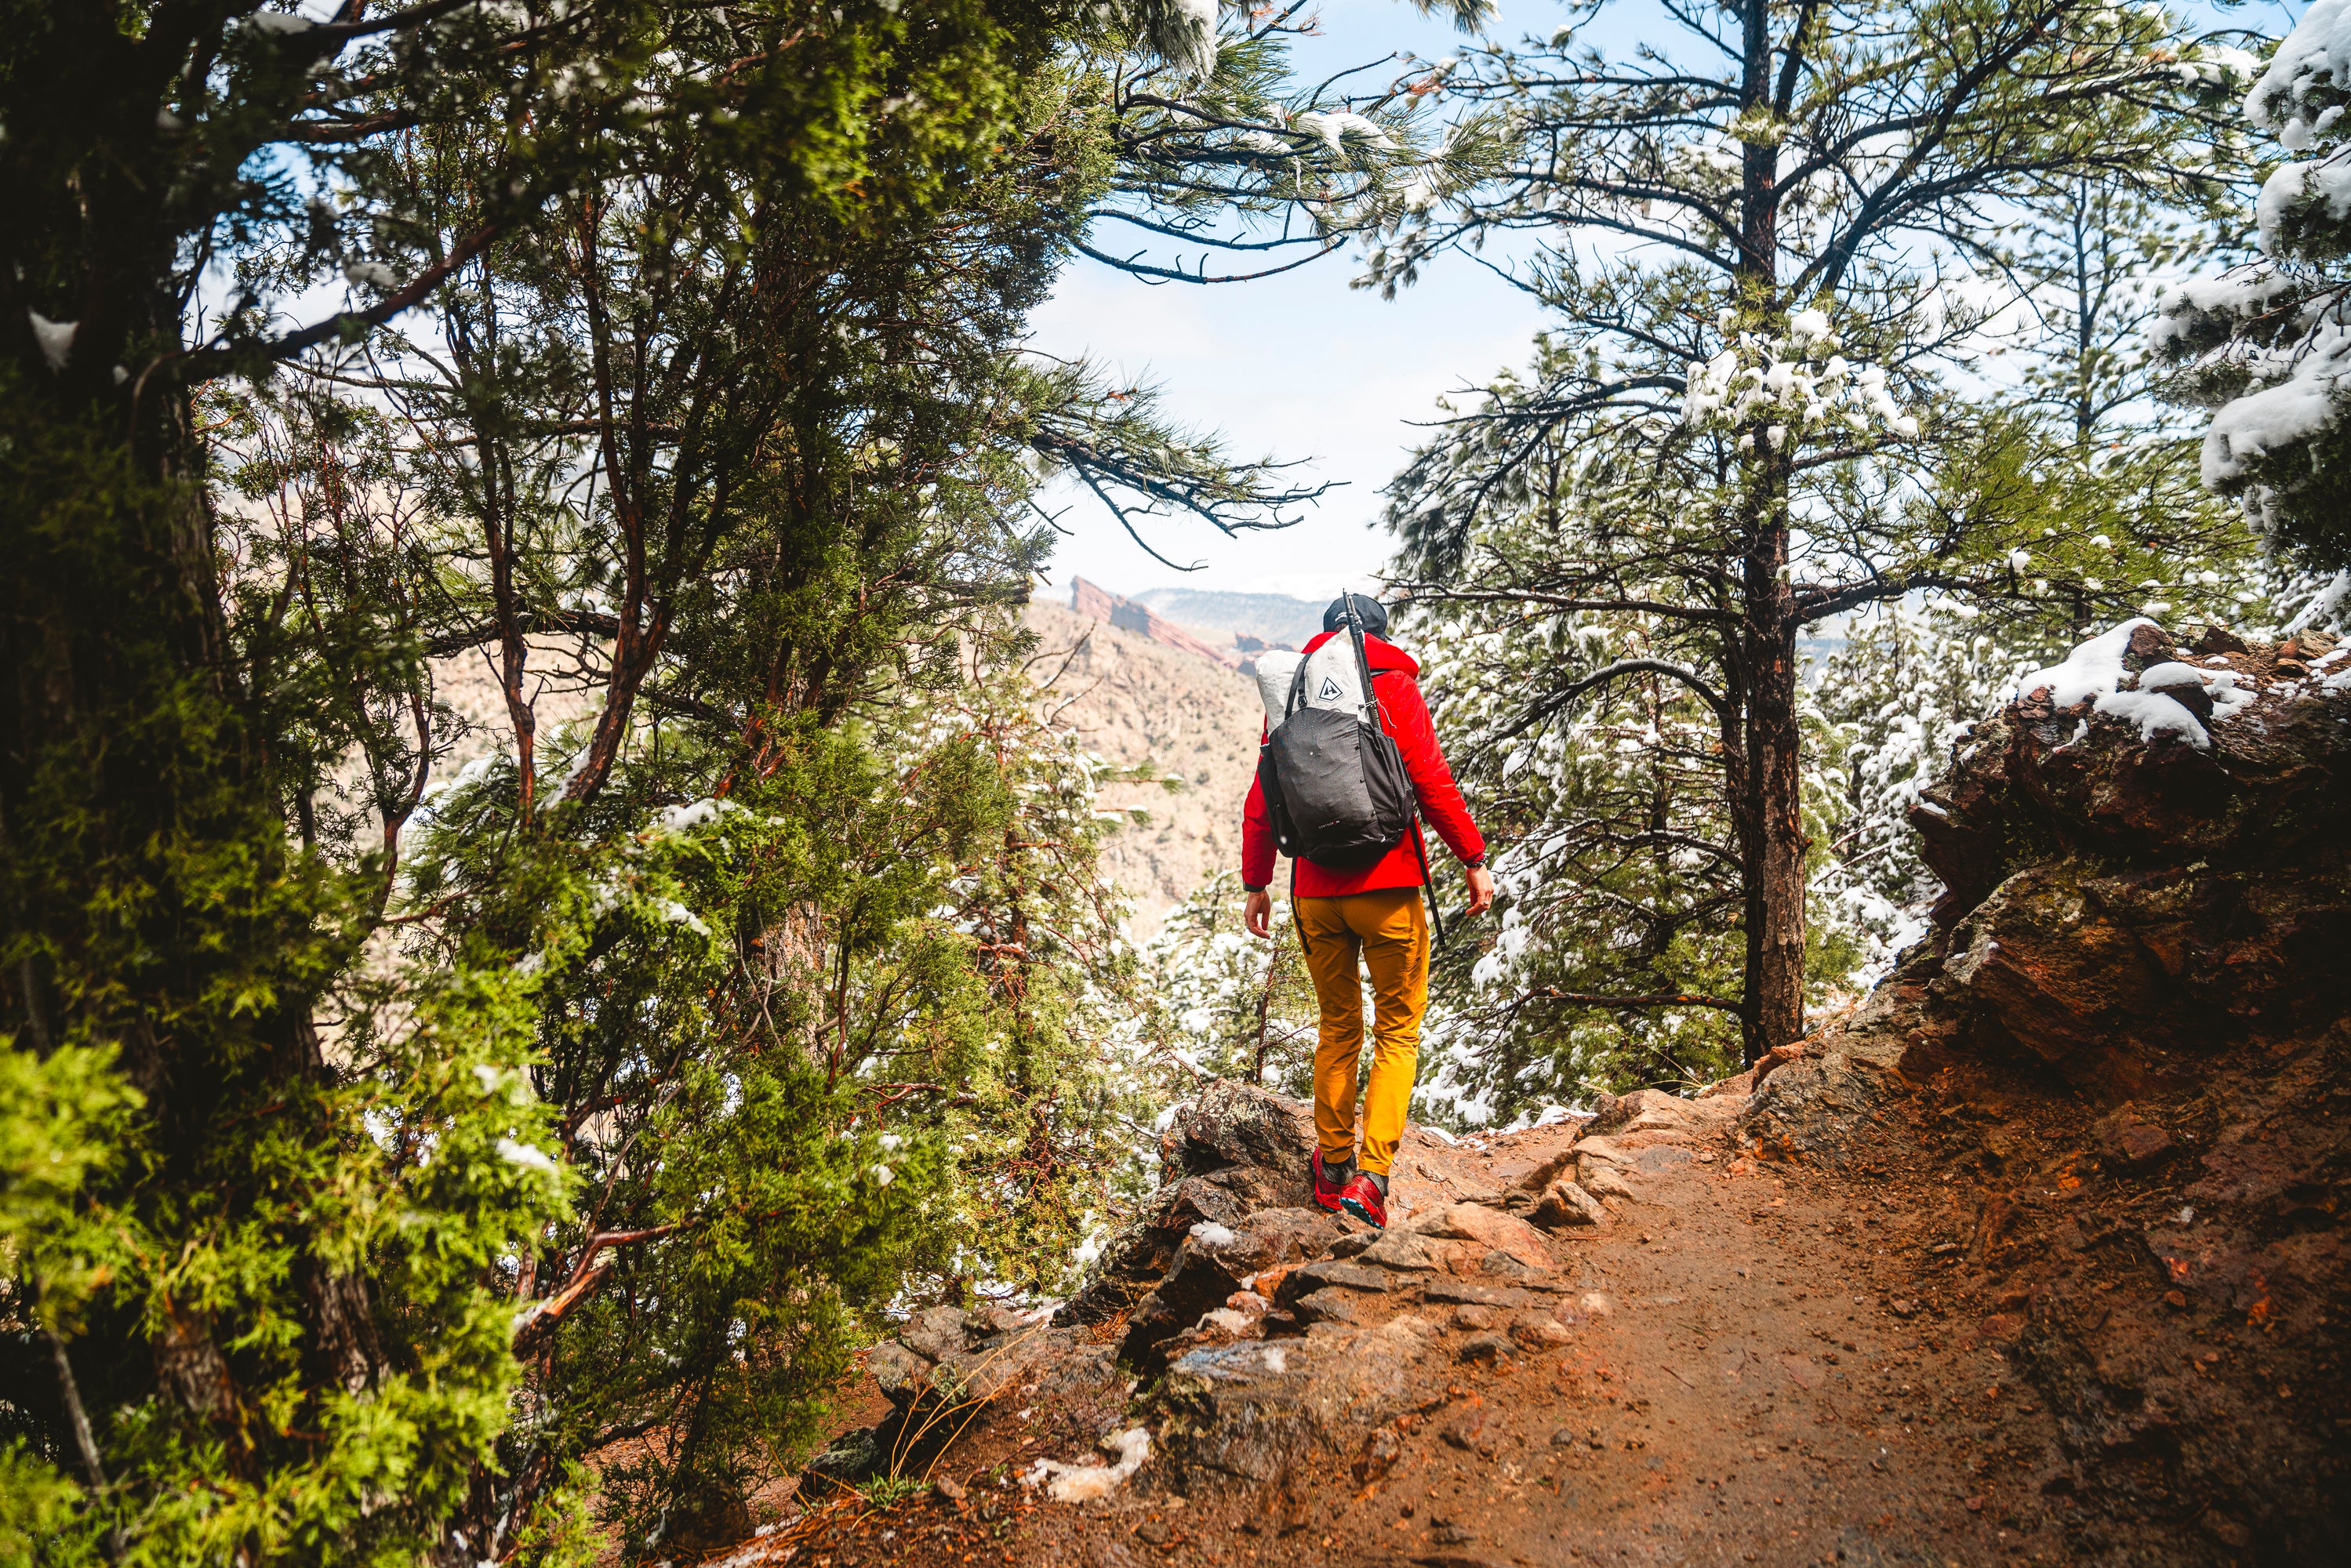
x=2035, y=1256
x=1737, y=1364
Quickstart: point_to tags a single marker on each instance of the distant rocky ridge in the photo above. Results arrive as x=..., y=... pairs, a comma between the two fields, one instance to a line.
x=1135, y=699
x=1275, y=620
x=1095, y=602
x=1246, y=624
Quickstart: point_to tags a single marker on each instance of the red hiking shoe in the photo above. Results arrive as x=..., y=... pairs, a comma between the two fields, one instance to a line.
x=1362, y=1198
x=1327, y=1192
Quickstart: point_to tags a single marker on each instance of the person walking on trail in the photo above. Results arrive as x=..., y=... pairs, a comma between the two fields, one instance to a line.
x=1368, y=912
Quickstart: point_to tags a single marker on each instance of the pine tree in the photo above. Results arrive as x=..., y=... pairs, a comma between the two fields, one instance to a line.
x=322, y=1052
x=1694, y=436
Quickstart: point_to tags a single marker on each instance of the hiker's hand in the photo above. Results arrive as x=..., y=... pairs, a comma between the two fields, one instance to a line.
x=1481, y=889
x=1256, y=913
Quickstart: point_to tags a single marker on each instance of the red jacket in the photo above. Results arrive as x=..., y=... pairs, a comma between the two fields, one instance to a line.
x=1405, y=716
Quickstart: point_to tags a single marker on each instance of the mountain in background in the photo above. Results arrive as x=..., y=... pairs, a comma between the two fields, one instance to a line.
x=1274, y=619
x=1135, y=697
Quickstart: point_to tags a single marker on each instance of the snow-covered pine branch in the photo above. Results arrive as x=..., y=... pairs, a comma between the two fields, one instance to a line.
x=2267, y=345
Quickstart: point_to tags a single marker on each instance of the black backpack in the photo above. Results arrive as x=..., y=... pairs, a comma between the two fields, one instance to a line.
x=1336, y=788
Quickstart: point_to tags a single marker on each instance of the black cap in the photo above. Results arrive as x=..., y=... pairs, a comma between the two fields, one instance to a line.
x=1370, y=611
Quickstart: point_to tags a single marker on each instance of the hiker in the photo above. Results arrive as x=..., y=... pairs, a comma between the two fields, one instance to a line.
x=1370, y=904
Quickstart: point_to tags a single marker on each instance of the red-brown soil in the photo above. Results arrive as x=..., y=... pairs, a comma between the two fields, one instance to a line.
x=1776, y=1377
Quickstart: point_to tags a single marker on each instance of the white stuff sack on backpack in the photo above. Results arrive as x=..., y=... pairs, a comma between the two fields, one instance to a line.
x=1274, y=671
x=1333, y=678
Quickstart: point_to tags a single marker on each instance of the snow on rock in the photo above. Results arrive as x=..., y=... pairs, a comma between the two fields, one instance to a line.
x=1091, y=1483
x=2090, y=670
x=1208, y=1233
x=2095, y=673
x=2154, y=715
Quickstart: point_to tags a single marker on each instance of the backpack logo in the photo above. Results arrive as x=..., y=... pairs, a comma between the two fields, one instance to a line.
x=1331, y=688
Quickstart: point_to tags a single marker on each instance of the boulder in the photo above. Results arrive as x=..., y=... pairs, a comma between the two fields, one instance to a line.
x=1336, y=1273
x=1642, y=1110
x=1539, y=1335
x=2136, y=968
x=1566, y=1205
x=1329, y=1306
x=1604, y=1181
x=1400, y=1250
x=1235, y=1125
x=1508, y=1267
x=1560, y=1162
x=1489, y=1228
x=2129, y=1141
x=1211, y=1264
x=899, y=1372
x=1234, y=1152
x=1593, y=1154
x=1244, y=1416
x=935, y=1332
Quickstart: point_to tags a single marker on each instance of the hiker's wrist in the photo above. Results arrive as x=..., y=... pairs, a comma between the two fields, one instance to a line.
x=1255, y=887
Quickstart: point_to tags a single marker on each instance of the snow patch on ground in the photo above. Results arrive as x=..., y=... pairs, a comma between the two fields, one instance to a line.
x=1091, y=1483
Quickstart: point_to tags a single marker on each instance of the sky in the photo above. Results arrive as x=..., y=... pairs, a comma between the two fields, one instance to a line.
x=1298, y=366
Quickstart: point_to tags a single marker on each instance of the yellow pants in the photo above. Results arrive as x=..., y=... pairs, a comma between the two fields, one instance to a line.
x=1389, y=930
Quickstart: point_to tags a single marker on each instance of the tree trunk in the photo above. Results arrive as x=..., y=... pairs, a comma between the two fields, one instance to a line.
x=1768, y=801
x=1771, y=849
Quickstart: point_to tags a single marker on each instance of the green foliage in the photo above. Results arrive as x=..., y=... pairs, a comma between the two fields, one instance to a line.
x=889, y=1491
x=401, y=1143
x=1220, y=991
x=40, y=1518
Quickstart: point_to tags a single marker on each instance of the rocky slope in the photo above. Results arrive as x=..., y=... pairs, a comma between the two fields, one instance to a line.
x=2035, y=1256
x=2127, y=1045
x=1135, y=701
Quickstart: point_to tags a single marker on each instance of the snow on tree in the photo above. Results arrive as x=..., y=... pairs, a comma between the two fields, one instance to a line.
x=1904, y=692
x=1765, y=233
x=2267, y=345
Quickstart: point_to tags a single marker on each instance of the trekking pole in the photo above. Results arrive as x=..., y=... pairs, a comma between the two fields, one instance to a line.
x=1265, y=1007
x=1273, y=968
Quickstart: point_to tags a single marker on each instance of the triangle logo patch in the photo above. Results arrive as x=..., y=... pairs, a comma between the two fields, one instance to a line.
x=1331, y=688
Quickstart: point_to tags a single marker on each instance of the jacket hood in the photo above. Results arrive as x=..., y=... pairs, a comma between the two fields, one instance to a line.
x=1378, y=653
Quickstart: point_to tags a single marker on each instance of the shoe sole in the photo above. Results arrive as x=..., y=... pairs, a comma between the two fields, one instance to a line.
x=1377, y=1222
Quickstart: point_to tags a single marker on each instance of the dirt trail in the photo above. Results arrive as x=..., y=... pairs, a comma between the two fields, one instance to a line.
x=2037, y=1254
x=1743, y=1373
